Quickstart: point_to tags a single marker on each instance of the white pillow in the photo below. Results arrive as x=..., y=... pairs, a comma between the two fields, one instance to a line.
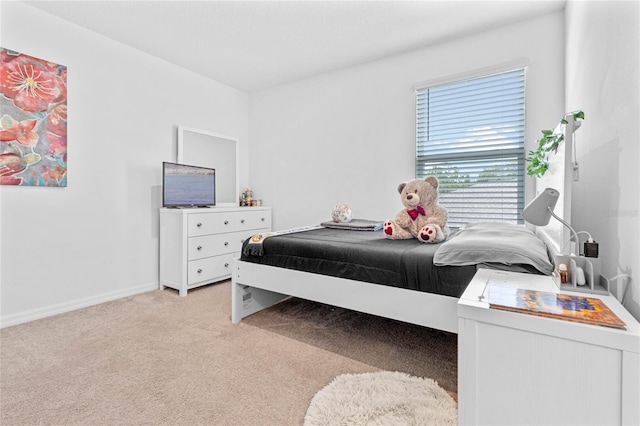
x=494, y=242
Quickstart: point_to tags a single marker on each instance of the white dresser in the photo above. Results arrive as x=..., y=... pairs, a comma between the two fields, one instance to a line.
x=197, y=245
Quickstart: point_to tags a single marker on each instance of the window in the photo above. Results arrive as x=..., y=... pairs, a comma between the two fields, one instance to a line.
x=470, y=134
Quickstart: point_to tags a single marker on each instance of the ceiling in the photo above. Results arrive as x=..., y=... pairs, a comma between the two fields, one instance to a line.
x=253, y=45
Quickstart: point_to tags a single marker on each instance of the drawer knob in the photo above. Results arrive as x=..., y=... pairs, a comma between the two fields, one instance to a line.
x=199, y=248
x=226, y=222
x=226, y=265
x=199, y=271
x=199, y=225
x=226, y=243
x=242, y=221
x=262, y=219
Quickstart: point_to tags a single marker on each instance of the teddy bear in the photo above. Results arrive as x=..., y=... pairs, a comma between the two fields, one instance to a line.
x=422, y=218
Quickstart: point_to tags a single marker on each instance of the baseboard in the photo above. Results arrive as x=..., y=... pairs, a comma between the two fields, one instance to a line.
x=61, y=308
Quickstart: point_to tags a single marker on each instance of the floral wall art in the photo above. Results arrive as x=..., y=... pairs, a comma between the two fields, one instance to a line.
x=33, y=121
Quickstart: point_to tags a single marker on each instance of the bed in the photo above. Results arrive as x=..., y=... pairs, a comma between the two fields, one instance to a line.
x=404, y=280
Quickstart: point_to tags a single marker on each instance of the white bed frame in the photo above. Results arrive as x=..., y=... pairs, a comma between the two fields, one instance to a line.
x=256, y=287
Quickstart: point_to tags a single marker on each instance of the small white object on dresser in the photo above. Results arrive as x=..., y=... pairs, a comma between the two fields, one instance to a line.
x=198, y=245
x=516, y=368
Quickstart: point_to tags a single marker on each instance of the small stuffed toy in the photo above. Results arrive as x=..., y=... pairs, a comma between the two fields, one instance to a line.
x=423, y=218
x=341, y=213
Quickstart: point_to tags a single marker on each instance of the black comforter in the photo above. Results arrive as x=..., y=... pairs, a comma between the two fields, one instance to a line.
x=364, y=256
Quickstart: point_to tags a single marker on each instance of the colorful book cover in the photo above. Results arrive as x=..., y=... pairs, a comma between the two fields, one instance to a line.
x=589, y=310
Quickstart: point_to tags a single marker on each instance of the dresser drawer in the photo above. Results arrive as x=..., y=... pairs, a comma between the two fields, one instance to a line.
x=209, y=269
x=215, y=223
x=255, y=219
x=213, y=245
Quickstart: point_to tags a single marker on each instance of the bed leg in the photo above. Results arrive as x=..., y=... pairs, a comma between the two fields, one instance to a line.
x=236, y=302
x=247, y=300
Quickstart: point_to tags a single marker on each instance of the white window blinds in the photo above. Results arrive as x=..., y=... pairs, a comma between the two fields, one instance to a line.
x=470, y=134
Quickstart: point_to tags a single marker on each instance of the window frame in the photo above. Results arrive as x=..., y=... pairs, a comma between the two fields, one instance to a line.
x=516, y=154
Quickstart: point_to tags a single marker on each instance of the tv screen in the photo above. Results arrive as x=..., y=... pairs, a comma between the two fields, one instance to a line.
x=188, y=186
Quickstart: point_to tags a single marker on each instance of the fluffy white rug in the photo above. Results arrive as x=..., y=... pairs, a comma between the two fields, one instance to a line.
x=383, y=398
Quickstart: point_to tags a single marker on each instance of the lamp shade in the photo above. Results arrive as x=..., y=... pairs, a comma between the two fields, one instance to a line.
x=538, y=211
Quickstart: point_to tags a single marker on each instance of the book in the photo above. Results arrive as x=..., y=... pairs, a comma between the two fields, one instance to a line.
x=588, y=310
x=355, y=225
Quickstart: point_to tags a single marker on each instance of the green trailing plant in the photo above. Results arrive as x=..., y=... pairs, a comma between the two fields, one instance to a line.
x=549, y=141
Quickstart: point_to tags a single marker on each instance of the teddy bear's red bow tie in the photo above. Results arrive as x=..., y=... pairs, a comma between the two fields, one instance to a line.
x=415, y=212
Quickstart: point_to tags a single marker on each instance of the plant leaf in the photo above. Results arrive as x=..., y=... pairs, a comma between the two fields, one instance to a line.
x=538, y=160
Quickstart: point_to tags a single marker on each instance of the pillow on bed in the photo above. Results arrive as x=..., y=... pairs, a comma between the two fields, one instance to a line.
x=494, y=242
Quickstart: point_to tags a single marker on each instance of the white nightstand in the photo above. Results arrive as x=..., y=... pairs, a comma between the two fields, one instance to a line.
x=516, y=368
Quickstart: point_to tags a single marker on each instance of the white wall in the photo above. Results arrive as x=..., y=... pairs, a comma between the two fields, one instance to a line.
x=602, y=79
x=97, y=239
x=349, y=136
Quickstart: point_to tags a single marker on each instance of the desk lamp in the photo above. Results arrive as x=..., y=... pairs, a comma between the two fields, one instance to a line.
x=539, y=211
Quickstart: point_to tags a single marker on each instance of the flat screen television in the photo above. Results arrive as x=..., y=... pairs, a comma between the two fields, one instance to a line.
x=184, y=185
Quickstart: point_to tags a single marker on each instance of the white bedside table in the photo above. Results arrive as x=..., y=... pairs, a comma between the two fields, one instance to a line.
x=515, y=368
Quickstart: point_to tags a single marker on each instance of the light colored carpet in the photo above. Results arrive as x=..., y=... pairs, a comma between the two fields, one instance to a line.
x=380, y=342
x=383, y=398
x=161, y=359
